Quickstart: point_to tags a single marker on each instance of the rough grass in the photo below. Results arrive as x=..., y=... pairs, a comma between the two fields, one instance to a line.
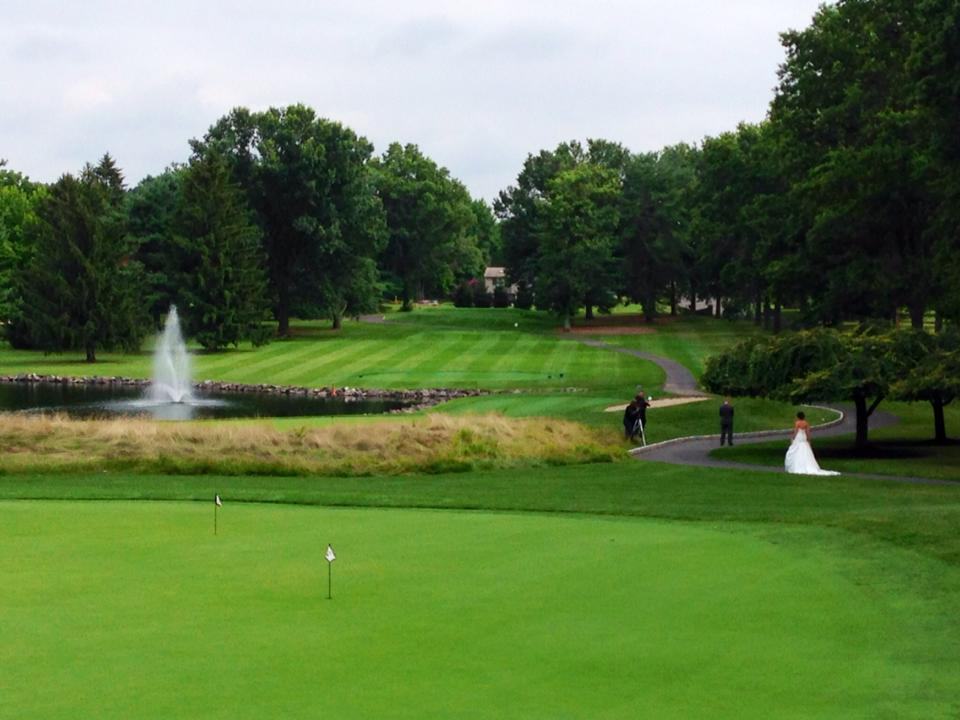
x=427, y=444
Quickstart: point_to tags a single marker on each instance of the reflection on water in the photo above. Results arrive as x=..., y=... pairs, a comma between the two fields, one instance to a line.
x=92, y=401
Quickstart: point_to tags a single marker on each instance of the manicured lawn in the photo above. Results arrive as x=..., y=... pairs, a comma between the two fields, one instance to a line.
x=689, y=339
x=902, y=449
x=763, y=596
x=431, y=347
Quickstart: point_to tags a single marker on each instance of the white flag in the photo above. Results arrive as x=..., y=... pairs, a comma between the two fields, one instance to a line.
x=330, y=556
x=217, y=501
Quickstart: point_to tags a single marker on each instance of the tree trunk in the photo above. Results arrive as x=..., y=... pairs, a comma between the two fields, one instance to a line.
x=863, y=420
x=649, y=309
x=406, y=304
x=283, y=309
x=758, y=310
x=337, y=321
x=716, y=307
x=693, y=299
x=91, y=353
x=673, y=299
x=588, y=312
x=777, y=318
x=566, y=321
x=916, y=316
x=766, y=314
x=938, y=322
x=939, y=424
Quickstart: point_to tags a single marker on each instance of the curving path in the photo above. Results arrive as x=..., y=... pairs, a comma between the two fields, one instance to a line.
x=696, y=450
x=680, y=381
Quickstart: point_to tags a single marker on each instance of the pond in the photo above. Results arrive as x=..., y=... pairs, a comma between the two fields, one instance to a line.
x=105, y=401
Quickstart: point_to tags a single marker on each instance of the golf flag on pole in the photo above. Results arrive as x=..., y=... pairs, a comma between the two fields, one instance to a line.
x=216, y=499
x=216, y=504
x=330, y=556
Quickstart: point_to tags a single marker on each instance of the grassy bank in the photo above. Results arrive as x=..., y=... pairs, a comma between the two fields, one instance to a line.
x=424, y=444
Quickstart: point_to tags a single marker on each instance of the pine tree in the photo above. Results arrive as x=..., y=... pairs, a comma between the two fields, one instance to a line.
x=81, y=289
x=220, y=276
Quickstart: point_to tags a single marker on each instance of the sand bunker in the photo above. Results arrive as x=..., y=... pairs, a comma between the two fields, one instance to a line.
x=666, y=402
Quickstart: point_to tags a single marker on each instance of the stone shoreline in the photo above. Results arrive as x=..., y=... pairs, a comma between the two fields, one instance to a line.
x=418, y=399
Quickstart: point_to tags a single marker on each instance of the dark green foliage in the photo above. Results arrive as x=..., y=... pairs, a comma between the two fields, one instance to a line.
x=219, y=280
x=82, y=289
x=481, y=298
x=501, y=298
x=308, y=181
x=524, y=299
x=576, y=237
x=934, y=375
x=655, y=224
x=19, y=199
x=151, y=209
x=430, y=221
x=828, y=365
x=463, y=295
x=527, y=225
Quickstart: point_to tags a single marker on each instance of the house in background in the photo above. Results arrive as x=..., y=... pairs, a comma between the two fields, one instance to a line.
x=494, y=277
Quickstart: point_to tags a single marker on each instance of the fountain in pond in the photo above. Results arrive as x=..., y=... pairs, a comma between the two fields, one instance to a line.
x=171, y=365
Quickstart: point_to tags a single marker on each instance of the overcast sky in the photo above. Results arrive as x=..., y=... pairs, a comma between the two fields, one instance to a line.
x=477, y=85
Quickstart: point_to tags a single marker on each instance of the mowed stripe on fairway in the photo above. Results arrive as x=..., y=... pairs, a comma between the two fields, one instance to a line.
x=440, y=614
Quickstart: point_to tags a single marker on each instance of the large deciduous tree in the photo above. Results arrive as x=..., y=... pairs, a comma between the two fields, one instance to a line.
x=821, y=364
x=577, y=232
x=846, y=104
x=308, y=181
x=655, y=225
x=520, y=206
x=18, y=202
x=430, y=218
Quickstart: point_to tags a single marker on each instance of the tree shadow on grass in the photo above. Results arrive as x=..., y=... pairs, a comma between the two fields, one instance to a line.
x=886, y=450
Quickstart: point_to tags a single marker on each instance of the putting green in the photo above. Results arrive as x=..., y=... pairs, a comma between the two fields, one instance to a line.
x=135, y=610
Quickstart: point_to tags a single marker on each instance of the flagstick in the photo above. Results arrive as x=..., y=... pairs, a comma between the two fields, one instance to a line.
x=214, y=518
x=329, y=581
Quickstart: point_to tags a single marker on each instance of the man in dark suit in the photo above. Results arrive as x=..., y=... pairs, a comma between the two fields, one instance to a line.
x=642, y=405
x=726, y=422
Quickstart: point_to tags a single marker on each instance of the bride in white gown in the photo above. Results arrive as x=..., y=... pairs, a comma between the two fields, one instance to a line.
x=800, y=459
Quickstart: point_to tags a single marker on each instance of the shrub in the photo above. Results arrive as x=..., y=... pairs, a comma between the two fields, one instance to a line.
x=501, y=298
x=481, y=298
x=524, y=298
x=463, y=295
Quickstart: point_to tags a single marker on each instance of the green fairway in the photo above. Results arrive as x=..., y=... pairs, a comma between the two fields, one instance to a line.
x=136, y=610
x=427, y=348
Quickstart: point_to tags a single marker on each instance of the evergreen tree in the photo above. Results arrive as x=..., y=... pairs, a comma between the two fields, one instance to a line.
x=151, y=211
x=82, y=290
x=220, y=282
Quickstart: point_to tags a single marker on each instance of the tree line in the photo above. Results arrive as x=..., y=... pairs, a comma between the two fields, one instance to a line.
x=277, y=214
x=843, y=203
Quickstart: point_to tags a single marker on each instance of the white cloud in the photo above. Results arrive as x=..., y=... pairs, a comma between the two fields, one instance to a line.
x=477, y=85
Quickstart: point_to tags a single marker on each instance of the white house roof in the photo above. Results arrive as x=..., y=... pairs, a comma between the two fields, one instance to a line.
x=495, y=272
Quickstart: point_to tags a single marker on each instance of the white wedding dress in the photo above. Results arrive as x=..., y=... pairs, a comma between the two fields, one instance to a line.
x=800, y=459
